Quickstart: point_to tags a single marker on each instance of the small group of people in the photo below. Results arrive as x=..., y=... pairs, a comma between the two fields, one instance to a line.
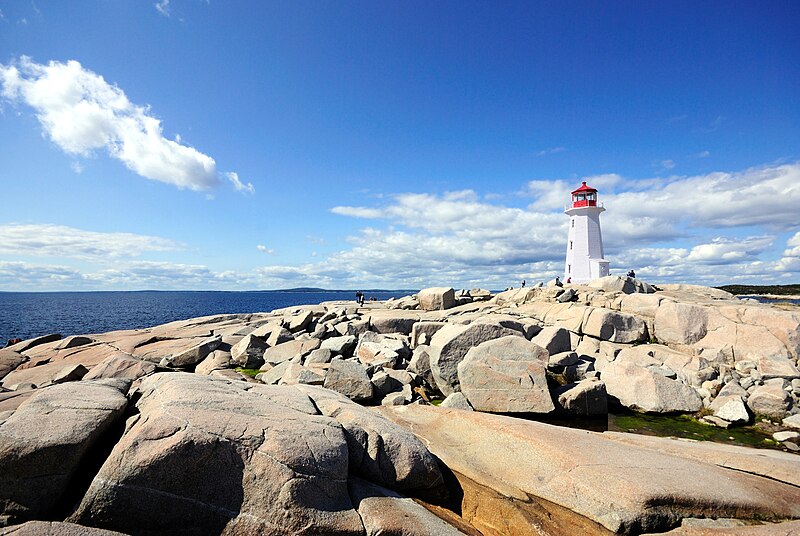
x=12, y=342
x=632, y=274
x=360, y=298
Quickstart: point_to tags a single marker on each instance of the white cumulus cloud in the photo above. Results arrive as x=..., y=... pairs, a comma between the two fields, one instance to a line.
x=727, y=250
x=238, y=185
x=82, y=113
x=162, y=6
x=47, y=240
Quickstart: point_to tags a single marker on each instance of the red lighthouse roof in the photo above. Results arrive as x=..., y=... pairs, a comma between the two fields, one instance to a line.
x=584, y=188
x=585, y=196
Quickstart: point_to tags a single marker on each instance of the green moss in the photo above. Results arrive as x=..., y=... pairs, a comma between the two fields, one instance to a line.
x=685, y=426
x=436, y=402
x=249, y=371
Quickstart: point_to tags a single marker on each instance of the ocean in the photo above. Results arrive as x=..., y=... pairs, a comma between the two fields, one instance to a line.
x=25, y=315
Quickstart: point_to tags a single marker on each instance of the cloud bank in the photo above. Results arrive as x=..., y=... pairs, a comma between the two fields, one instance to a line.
x=47, y=240
x=719, y=228
x=81, y=113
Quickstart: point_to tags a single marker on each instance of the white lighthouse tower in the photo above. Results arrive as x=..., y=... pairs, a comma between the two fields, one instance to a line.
x=585, y=242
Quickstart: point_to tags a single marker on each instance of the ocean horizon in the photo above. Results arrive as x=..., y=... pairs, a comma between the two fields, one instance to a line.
x=25, y=315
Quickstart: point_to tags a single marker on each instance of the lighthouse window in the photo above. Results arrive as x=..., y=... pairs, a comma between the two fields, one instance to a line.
x=573, y=222
x=570, y=244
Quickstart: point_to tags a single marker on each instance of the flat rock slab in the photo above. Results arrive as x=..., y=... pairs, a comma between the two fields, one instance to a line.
x=625, y=488
x=774, y=464
x=787, y=528
x=56, y=528
x=43, y=442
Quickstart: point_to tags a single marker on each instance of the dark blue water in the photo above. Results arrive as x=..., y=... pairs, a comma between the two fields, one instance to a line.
x=30, y=314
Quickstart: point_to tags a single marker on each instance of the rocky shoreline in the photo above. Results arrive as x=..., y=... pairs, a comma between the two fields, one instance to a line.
x=322, y=419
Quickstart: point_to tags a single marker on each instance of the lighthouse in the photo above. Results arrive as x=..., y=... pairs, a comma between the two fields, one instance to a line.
x=585, y=241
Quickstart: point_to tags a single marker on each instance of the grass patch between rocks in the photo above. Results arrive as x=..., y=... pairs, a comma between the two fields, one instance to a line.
x=249, y=371
x=685, y=426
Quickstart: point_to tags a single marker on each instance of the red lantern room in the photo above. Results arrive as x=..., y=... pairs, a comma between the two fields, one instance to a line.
x=585, y=196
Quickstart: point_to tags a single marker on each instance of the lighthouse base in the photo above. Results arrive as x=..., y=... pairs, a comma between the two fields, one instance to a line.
x=598, y=268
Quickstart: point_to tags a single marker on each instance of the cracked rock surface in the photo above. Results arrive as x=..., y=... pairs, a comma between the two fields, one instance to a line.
x=217, y=456
x=43, y=442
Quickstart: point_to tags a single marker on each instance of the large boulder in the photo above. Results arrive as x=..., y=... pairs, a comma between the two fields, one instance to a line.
x=223, y=457
x=121, y=365
x=586, y=398
x=9, y=360
x=733, y=410
x=350, y=379
x=646, y=389
x=196, y=352
x=770, y=399
x=392, y=321
x=45, y=440
x=249, y=352
x=287, y=350
x=456, y=401
x=216, y=360
x=553, y=339
x=506, y=375
x=299, y=321
x=343, y=345
x=436, y=298
x=451, y=343
x=613, y=326
x=420, y=363
x=561, y=484
x=680, y=323
x=774, y=367
x=385, y=513
x=296, y=373
x=423, y=331
x=380, y=450
x=690, y=369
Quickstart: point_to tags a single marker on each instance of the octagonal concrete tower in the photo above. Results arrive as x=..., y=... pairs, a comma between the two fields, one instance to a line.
x=585, y=242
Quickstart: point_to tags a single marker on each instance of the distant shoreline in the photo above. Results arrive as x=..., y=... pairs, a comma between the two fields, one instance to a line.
x=771, y=296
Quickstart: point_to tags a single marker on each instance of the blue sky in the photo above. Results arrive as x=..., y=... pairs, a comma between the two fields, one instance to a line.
x=190, y=144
